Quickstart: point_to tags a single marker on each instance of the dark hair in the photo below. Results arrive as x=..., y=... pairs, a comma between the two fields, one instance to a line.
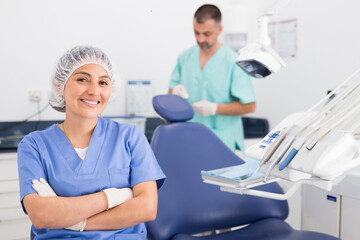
x=206, y=12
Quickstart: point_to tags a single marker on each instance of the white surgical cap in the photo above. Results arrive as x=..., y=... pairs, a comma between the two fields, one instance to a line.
x=68, y=63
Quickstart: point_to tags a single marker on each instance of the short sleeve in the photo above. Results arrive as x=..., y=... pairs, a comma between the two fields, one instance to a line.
x=144, y=166
x=242, y=86
x=175, y=76
x=29, y=166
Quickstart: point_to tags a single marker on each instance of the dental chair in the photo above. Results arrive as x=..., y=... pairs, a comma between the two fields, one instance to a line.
x=189, y=207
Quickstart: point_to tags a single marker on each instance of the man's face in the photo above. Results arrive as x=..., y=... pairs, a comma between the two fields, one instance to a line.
x=207, y=33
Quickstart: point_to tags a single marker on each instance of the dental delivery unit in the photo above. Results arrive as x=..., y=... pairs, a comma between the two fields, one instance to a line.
x=316, y=147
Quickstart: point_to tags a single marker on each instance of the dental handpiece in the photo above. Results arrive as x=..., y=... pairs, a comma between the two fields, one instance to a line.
x=279, y=153
x=343, y=119
x=292, y=154
x=271, y=150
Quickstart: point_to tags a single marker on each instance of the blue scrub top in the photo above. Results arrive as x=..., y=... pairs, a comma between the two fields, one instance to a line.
x=220, y=81
x=118, y=156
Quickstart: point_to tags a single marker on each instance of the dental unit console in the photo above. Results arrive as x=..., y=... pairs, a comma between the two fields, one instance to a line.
x=316, y=147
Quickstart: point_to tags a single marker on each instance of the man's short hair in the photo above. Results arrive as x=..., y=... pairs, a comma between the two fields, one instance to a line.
x=206, y=12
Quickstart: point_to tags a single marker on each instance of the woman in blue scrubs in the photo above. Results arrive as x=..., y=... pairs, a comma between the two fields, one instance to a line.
x=99, y=178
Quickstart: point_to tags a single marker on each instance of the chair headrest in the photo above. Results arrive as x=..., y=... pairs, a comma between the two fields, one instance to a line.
x=173, y=108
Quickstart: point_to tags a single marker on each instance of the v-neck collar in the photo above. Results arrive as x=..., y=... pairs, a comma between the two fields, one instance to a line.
x=209, y=62
x=86, y=166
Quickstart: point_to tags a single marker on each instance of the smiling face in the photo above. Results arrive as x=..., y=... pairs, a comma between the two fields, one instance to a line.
x=87, y=91
x=207, y=33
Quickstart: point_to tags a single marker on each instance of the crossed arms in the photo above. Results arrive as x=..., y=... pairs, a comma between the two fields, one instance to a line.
x=62, y=212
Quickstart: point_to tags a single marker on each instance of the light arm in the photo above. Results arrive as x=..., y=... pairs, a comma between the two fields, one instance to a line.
x=235, y=108
x=115, y=196
x=142, y=208
x=62, y=212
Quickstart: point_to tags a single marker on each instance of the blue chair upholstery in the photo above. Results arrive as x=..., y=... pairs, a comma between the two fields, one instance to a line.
x=173, y=108
x=188, y=206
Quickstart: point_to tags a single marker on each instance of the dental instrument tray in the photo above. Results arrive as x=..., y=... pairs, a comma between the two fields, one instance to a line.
x=316, y=147
x=216, y=177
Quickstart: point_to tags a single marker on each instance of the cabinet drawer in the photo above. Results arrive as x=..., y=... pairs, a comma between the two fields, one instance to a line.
x=350, y=216
x=320, y=211
x=11, y=155
x=15, y=229
x=12, y=214
x=8, y=169
x=9, y=200
x=9, y=186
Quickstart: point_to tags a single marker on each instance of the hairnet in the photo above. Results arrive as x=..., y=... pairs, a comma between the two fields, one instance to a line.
x=67, y=65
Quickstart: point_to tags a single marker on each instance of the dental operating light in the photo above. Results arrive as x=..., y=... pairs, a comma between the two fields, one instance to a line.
x=260, y=59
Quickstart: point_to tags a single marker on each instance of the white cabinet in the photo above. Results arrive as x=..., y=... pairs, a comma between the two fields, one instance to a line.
x=349, y=189
x=14, y=223
x=320, y=211
x=350, y=217
x=337, y=212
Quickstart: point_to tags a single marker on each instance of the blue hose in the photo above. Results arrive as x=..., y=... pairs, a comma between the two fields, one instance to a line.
x=288, y=158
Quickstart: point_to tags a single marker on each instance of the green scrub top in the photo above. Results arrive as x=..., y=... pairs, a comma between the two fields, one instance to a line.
x=220, y=81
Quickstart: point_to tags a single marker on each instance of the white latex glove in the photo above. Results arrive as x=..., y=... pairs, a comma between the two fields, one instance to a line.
x=180, y=91
x=44, y=190
x=117, y=196
x=205, y=108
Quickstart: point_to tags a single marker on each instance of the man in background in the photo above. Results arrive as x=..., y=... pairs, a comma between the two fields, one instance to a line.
x=208, y=77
